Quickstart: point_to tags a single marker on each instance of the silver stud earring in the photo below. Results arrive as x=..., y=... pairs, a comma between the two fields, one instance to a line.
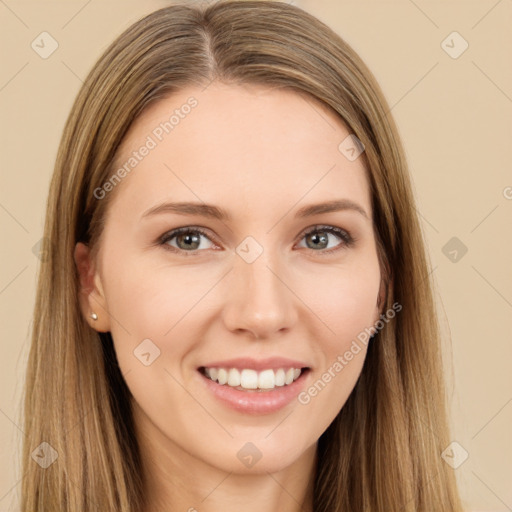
x=94, y=316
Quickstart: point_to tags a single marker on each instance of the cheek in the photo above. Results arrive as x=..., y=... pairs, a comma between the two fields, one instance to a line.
x=346, y=303
x=345, y=300
x=149, y=303
x=148, y=299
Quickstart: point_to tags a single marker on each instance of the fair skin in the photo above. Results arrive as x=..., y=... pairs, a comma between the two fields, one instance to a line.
x=261, y=155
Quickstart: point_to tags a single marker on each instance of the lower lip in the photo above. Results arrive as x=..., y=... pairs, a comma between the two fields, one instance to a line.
x=256, y=402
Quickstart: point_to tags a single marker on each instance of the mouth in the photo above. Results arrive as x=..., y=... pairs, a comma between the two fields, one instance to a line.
x=251, y=380
x=255, y=386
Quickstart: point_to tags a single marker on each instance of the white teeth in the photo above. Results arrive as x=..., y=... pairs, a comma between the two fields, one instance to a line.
x=266, y=379
x=233, y=377
x=222, y=376
x=251, y=379
x=280, y=377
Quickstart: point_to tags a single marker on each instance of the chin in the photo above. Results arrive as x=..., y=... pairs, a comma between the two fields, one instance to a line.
x=261, y=456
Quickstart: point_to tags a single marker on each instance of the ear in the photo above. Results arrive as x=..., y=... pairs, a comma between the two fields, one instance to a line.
x=91, y=295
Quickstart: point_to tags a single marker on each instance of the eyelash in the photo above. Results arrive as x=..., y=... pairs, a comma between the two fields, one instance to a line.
x=347, y=239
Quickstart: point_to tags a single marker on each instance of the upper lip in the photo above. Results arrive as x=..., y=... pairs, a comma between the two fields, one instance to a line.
x=270, y=363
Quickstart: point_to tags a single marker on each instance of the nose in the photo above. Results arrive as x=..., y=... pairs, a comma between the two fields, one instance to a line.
x=260, y=300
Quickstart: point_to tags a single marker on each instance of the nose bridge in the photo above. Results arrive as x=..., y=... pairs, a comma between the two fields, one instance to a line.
x=262, y=278
x=259, y=299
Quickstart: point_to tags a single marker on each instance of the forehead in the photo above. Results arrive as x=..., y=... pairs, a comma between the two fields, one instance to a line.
x=242, y=145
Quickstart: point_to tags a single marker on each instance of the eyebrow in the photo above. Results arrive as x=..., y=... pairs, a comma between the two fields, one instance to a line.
x=214, y=212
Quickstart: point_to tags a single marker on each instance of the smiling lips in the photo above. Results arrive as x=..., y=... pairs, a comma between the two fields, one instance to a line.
x=252, y=386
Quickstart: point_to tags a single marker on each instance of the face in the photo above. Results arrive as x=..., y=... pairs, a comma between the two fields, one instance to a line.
x=253, y=286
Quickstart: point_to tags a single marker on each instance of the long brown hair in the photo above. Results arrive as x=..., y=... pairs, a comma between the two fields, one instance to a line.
x=382, y=451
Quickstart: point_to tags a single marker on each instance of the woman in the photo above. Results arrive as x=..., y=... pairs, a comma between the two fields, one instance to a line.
x=190, y=351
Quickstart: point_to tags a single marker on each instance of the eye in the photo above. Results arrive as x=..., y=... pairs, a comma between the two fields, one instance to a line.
x=188, y=239
x=320, y=238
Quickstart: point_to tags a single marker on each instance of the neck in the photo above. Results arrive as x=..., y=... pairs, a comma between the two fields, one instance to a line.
x=175, y=480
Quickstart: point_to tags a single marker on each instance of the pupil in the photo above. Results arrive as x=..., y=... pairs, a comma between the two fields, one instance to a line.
x=189, y=239
x=322, y=239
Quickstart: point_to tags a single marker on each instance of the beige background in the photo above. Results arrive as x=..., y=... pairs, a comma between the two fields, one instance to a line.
x=455, y=117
